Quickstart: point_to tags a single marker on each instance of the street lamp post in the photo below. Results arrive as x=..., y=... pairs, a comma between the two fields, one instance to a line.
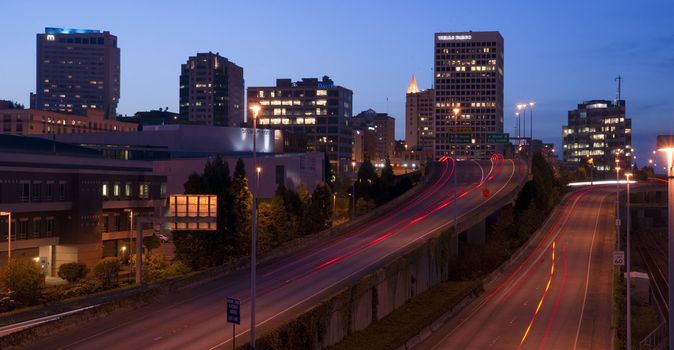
x=456, y=163
x=617, y=201
x=627, y=262
x=517, y=116
x=253, y=239
x=353, y=192
x=666, y=144
x=9, y=233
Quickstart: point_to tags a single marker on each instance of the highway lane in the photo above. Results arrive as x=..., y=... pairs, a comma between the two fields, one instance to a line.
x=195, y=319
x=558, y=296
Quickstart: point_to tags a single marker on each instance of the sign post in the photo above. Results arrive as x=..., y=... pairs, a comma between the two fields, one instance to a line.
x=233, y=316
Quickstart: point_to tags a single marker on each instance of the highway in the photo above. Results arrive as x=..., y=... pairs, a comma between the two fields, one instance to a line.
x=195, y=319
x=556, y=295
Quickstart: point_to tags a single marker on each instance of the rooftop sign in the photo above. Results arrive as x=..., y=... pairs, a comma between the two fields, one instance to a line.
x=49, y=30
x=454, y=37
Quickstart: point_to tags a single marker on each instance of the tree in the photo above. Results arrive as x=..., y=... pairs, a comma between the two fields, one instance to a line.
x=107, y=270
x=242, y=208
x=25, y=280
x=73, y=272
x=151, y=242
x=319, y=213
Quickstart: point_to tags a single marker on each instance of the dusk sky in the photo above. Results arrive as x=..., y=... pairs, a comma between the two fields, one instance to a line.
x=556, y=53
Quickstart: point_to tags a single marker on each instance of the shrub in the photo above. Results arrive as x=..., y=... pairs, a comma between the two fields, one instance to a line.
x=73, y=272
x=7, y=303
x=107, y=270
x=25, y=280
x=152, y=266
x=177, y=268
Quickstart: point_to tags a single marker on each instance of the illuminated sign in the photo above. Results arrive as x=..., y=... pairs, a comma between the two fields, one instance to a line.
x=69, y=31
x=454, y=37
x=50, y=37
x=325, y=86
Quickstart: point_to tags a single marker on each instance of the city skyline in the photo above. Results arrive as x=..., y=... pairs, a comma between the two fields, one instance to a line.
x=599, y=42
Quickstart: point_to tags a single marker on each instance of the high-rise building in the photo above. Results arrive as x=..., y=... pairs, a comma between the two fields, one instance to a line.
x=468, y=92
x=317, y=109
x=77, y=69
x=211, y=90
x=419, y=121
x=376, y=132
x=598, y=130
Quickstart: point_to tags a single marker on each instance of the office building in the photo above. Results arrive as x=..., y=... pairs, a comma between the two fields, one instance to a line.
x=318, y=110
x=77, y=69
x=598, y=130
x=374, y=136
x=419, y=121
x=37, y=122
x=70, y=204
x=211, y=91
x=468, y=92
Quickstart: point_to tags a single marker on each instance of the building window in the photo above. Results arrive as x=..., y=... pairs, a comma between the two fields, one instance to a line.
x=280, y=175
x=62, y=191
x=25, y=192
x=36, y=192
x=106, y=223
x=117, y=223
x=115, y=190
x=127, y=190
x=37, y=223
x=48, y=191
x=144, y=191
x=104, y=190
x=162, y=190
x=23, y=228
x=49, y=227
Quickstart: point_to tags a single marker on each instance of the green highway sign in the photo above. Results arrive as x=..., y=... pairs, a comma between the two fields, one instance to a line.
x=459, y=138
x=498, y=138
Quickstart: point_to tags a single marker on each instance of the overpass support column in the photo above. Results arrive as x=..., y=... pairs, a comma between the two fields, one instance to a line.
x=477, y=234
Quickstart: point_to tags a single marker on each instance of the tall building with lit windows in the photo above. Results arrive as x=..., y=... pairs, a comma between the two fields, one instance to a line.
x=598, y=130
x=211, y=91
x=468, y=80
x=77, y=69
x=317, y=110
x=419, y=121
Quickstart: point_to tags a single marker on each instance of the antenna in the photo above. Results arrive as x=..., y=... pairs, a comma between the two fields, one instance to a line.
x=619, y=79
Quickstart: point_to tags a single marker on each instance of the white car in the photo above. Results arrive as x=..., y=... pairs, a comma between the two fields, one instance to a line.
x=163, y=238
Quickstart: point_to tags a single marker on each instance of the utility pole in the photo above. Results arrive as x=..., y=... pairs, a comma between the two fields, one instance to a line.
x=619, y=79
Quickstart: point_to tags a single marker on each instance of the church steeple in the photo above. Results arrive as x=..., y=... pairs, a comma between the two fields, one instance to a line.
x=413, y=88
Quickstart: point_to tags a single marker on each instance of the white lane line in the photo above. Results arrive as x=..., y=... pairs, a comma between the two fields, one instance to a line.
x=512, y=174
x=587, y=276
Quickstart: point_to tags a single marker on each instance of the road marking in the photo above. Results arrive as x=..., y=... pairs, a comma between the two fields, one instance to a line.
x=587, y=276
x=540, y=303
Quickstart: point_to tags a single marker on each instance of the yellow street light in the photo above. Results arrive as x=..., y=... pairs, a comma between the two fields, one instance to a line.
x=256, y=109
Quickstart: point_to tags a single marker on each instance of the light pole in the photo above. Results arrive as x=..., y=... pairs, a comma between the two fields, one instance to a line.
x=590, y=163
x=627, y=262
x=531, y=119
x=456, y=163
x=130, y=211
x=666, y=144
x=522, y=107
x=517, y=116
x=9, y=234
x=253, y=239
x=617, y=201
x=353, y=192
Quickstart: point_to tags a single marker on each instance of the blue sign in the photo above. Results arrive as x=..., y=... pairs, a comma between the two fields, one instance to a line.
x=49, y=30
x=233, y=311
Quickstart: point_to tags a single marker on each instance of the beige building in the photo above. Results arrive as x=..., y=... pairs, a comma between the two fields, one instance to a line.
x=419, y=121
x=36, y=122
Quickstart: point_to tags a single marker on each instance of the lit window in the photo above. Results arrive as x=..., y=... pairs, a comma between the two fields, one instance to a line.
x=104, y=190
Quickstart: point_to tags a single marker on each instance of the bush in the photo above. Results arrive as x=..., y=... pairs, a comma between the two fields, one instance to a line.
x=73, y=272
x=25, y=280
x=177, y=268
x=7, y=303
x=107, y=270
x=152, y=266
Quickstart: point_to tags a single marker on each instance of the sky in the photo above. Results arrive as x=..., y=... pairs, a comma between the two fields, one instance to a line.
x=557, y=54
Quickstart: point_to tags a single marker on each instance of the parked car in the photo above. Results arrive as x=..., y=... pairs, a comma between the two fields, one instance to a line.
x=163, y=238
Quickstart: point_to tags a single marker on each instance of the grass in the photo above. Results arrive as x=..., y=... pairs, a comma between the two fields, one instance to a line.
x=407, y=321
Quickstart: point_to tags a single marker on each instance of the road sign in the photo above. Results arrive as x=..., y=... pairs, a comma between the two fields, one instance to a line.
x=618, y=258
x=459, y=138
x=498, y=138
x=233, y=311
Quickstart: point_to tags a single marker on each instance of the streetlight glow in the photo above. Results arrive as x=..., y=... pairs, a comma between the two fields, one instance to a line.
x=256, y=109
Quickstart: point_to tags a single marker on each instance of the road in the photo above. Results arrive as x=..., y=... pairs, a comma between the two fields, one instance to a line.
x=558, y=295
x=195, y=319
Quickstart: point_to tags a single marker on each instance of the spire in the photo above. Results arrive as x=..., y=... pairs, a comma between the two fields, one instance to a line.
x=413, y=88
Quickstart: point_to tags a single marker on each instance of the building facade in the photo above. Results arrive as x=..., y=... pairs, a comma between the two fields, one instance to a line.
x=77, y=69
x=468, y=92
x=318, y=110
x=68, y=203
x=374, y=136
x=598, y=130
x=211, y=90
x=419, y=117
x=37, y=122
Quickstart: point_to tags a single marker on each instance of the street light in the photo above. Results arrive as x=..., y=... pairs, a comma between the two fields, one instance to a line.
x=627, y=262
x=666, y=144
x=353, y=192
x=255, y=108
x=517, y=116
x=456, y=163
x=9, y=233
x=590, y=162
x=617, y=201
